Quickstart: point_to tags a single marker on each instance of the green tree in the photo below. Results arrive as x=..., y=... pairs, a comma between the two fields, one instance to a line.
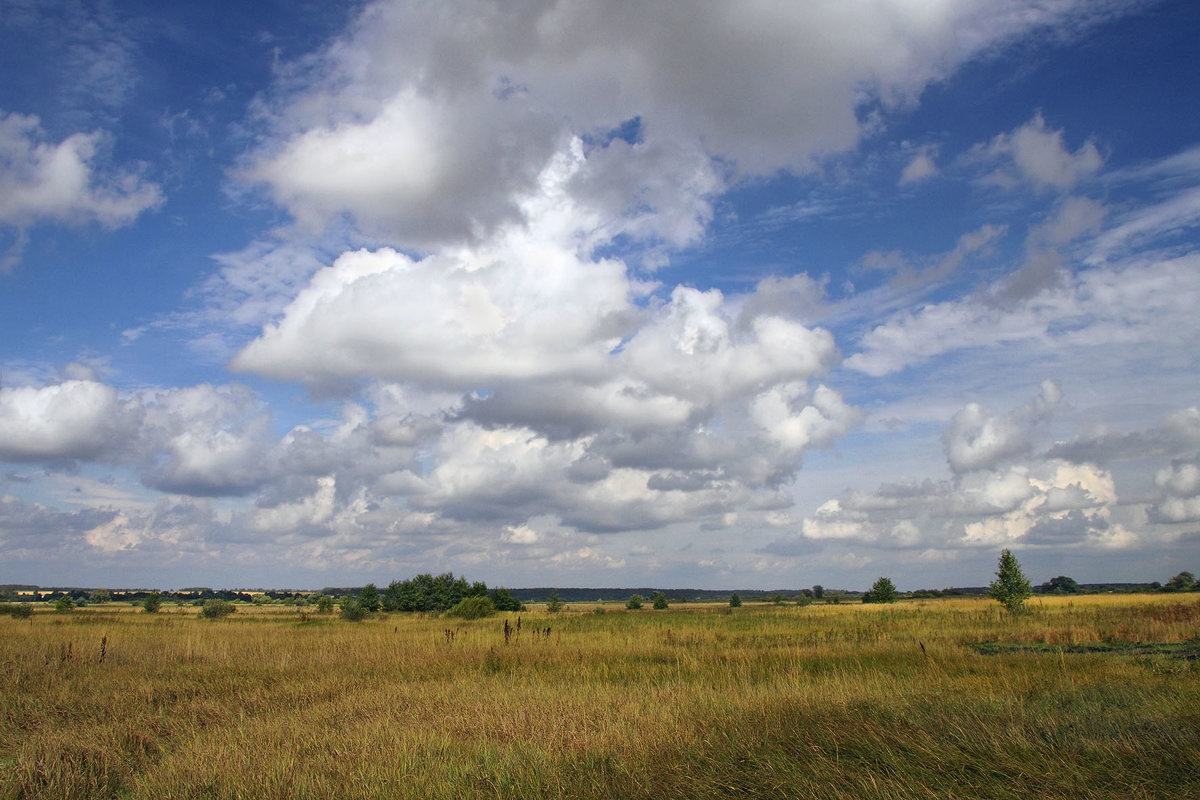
x=734, y=600
x=818, y=592
x=1010, y=588
x=503, y=600
x=324, y=604
x=99, y=596
x=882, y=591
x=554, y=604
x=634, y=602
x=1183, y=582
x=658, y=600
x=64, y=603
x=368, y=598
x=152, y=603
x=1060, y=585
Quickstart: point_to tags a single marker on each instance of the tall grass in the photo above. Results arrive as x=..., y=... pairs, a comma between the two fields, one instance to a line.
x=697, y=701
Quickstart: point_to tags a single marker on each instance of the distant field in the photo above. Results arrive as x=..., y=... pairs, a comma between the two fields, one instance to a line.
x=1088, y=697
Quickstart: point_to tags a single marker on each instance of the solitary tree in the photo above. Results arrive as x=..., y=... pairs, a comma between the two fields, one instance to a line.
x=658, y=600
x=734, y=600
x=882, y=591
x=1010, y=587
x=634, y=602
x=554, y=604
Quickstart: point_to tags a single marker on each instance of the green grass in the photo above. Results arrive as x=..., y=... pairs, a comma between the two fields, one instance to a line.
x=1094, y=697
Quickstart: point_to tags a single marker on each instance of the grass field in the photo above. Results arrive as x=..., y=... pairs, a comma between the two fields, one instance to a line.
x=1090, y=697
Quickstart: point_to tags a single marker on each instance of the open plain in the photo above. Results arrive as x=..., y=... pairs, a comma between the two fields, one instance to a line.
x=1083, y=697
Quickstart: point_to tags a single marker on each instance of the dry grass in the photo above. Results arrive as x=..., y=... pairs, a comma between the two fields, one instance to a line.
x=698, y=701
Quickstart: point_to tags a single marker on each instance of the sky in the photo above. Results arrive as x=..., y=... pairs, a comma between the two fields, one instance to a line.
x=568, y=293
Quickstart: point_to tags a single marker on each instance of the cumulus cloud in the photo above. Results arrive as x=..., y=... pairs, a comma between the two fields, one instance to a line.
x=1038, y=156
x=426, y=123
x=977, y=440
x=76, y=419
x=44, y=181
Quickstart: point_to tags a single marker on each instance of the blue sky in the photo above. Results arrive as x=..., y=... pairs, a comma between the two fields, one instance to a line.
x=567, y=293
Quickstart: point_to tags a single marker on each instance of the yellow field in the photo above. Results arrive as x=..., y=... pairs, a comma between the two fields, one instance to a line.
x=845, y=701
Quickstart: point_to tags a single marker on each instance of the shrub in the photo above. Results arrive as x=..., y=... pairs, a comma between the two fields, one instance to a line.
x=554, y=605
x=473, y=608
x=882, y=591
x=734, y=600
x=352, y=611
x=17, y=610
x=216, y=609
x=658, y=600
x=324, y=604
x=64, y=603
x=152, y=603
x=634, y=602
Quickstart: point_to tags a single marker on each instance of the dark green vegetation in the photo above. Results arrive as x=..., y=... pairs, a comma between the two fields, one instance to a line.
x=883, y=591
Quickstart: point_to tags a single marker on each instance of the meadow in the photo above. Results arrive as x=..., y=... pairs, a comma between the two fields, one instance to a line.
x=1083, y=697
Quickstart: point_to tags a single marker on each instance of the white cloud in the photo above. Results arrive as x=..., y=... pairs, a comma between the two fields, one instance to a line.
x=1038, y=156
x=62, y=182
x=71, y=420
x=427, y=123
x=1136, y=301
x=976, y=440
x=921, y=167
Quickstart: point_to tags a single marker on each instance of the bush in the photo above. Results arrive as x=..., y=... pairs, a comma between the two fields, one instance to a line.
x=152, y=603
x=17, y=610
x=352, y=611
x=64, y=603
x=882, y=591
x=473, y=608
x=658, y=600
x=634, y=602
x=324, y=604
x=734, y=600
x=554, y=605
x=216, y=609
